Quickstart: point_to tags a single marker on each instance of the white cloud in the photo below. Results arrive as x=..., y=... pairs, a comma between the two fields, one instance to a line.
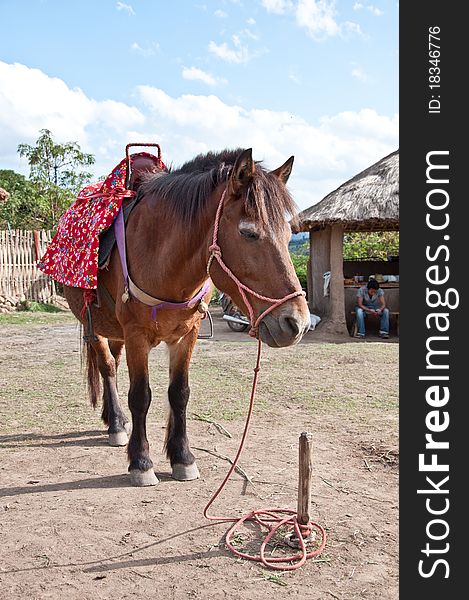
x=188, y=109
x=294, y=77
x=333, y=150
x=221, y=14
x=68, y=113
x=150, y=50
x=326, y=152
x=365, y=122
x=247, y=33
x=349, y=27
x=251, y=21
x=193, y=73
x=238, y=54
x=358, y=73
x=318, y=17
x=277, y=6
x=373, y=9
x=125, y=7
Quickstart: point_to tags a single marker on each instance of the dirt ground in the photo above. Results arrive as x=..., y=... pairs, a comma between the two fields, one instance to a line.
x=72, y=527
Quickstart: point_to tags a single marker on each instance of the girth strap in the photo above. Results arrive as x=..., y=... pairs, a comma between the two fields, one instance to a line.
x=131, y=289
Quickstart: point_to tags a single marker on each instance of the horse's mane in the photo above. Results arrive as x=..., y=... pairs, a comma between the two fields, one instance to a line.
x=186, y=190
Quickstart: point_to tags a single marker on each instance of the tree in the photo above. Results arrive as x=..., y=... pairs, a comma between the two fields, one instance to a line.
x=357, y=246
x=300, y=263
x=54, y=170
x=374, y=245
x=57, y=164
x=25, y=208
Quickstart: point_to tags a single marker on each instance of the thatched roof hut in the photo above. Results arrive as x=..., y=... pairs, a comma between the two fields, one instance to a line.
x=367, y=202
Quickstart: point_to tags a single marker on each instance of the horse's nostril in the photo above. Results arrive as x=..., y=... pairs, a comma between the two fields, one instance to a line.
x=291, y=325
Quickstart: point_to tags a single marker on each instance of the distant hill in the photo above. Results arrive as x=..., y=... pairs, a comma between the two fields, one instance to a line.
x=299, y=237
x=299, y=243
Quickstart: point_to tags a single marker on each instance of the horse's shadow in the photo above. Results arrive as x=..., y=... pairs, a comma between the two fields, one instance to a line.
x=87, y=439
x=151, y=562
x=105, y=565
x=93, y=483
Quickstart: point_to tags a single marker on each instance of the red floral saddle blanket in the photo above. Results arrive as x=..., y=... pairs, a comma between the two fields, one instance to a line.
x=72, y=255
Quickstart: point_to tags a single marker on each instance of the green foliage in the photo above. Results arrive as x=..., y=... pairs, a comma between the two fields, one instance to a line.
x=299, y=247
x=17, y=210
x=374, y=245
x=215, y=299
x=357, y=246
x=32, y=306
x=300, y=262
x=55, y=179
x=30, y=205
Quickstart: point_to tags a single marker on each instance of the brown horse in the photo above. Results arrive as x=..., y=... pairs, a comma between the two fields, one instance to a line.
x=170, y=248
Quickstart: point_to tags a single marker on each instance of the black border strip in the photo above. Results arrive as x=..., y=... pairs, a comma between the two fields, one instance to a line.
x=433, y=547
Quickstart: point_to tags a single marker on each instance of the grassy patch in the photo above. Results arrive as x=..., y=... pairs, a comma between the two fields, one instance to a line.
x=276, y=578
x=41, y=381
x=32, y=306
x=37, y=317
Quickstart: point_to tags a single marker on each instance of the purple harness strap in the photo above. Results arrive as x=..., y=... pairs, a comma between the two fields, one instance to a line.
x=188, y=303
x=119, y=229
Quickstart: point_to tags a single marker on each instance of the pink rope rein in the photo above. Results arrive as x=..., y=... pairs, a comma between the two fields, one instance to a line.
x=271, y=519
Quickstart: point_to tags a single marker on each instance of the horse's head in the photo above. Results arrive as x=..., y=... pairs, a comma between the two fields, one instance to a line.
x=253, y=235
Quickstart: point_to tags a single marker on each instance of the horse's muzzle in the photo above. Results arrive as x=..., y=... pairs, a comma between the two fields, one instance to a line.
x=285, y=329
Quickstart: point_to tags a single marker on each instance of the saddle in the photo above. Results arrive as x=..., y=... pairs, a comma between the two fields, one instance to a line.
x=142, y=166
x=78, y=247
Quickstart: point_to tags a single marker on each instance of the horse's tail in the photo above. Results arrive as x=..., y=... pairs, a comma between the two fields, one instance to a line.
x=90, y=359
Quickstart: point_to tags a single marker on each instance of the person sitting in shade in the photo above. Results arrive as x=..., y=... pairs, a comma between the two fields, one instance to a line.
x=370, y=301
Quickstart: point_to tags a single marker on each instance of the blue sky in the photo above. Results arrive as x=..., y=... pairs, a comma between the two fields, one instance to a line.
x=313, y=78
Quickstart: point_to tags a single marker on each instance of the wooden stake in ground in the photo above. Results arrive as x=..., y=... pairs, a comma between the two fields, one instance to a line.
x=305, y=472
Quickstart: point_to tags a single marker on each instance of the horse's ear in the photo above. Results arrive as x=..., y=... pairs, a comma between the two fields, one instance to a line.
x=243, y=171
x=283, y=172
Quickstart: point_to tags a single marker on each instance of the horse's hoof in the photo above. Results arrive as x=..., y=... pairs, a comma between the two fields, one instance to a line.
x=119, y=438
x=143, y=478
x=185, y=472
x=128, y=427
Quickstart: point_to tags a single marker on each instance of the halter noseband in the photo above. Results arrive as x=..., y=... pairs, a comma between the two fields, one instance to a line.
x=215, y=253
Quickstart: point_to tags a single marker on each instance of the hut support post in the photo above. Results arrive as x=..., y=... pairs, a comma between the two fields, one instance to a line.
x=320, y=260
x=337, y=313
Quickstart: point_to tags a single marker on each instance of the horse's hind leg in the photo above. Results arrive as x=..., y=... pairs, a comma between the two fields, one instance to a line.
x=178, y=451
x=105, y=358
x=112, y=413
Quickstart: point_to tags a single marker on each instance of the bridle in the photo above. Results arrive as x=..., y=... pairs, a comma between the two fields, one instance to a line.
x=215, y=253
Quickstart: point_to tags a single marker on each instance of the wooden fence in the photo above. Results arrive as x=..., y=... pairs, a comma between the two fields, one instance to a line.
x=19, y=275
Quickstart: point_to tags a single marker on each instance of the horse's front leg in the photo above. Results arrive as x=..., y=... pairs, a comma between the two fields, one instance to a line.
x=138, y=450
x=178, y=451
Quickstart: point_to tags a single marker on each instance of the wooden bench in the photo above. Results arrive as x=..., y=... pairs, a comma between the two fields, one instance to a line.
x=354, y=329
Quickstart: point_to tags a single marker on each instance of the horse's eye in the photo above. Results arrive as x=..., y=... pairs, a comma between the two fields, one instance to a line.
x=249, y=233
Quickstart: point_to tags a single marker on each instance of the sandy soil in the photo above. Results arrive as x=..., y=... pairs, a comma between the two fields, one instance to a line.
x=72, y=527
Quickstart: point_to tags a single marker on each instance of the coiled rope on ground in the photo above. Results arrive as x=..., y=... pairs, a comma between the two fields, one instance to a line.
x=271, y=519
